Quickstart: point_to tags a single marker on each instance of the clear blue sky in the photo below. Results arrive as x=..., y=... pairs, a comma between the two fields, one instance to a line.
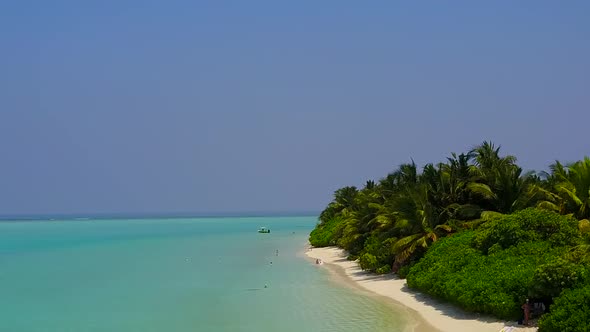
x=227, y=106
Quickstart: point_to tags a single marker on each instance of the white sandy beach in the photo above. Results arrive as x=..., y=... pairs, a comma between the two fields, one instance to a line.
x=442, y=316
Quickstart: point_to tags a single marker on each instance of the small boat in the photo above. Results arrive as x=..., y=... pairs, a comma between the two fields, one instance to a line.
x=263, y=230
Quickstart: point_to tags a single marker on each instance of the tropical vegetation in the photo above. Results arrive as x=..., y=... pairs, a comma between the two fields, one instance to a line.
x=475, y=230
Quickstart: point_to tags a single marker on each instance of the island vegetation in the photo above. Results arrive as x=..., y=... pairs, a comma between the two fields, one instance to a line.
x=476, y=231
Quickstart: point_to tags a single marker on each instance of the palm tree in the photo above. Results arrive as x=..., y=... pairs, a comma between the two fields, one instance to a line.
x=499, y=182
x=406, y=174
x=570, y=192
x=420, y=209
x=419, y=223
x=343, y=199
x=345, y=196
x=361, y=220
x=459, y=202
x=458, y=173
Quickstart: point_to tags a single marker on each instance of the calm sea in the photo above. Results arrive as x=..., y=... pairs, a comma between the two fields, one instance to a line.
x=186, y=274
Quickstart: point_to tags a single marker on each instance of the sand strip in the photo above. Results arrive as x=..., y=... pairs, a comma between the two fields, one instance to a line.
x=442, y=316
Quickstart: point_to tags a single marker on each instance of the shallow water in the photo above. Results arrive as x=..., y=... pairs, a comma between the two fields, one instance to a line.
x=175, y=275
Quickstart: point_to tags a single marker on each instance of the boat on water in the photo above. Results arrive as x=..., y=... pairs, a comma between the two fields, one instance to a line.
x=263, y=230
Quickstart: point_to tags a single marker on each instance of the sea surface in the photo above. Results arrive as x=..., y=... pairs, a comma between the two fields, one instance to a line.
x=189, y=274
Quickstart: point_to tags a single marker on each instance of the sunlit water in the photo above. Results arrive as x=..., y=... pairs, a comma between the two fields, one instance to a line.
x=174, y=275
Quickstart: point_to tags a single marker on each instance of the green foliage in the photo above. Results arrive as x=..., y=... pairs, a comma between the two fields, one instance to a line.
x=330, y=212
x=326, y=233
x=344, y=198
x=380, y=249
x=495, y=284
x=569, y=313
x=368, y=262
x=498, y=182
x=384, y=269
x=403, y=271
x=351, y=239
x=464, y=230
x=580, y=254
x=527, y=225
x=550, y=279
x=569, y=189
x=377, y=255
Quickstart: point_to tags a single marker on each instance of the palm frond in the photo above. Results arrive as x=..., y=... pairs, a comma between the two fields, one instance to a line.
x=546, y=205
x=481, y=189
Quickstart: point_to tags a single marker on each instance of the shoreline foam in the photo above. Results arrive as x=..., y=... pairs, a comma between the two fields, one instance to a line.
x=441, y=316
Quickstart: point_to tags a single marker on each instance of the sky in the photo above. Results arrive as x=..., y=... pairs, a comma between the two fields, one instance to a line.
x=228, y=107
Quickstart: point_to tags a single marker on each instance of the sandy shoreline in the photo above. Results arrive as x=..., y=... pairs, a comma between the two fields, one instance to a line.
x=443, y=317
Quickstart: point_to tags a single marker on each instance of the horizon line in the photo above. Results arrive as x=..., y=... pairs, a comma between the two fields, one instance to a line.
x=148, y=215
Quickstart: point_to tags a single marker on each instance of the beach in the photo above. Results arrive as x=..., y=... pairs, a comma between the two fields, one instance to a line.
x=442, y=316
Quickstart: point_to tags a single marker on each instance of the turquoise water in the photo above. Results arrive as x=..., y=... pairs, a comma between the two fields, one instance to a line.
x=174, y=275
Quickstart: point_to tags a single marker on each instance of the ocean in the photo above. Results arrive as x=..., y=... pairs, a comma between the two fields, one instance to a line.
x=177, y=274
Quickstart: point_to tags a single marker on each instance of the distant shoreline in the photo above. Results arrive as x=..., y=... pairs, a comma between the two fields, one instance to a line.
x=444, y=317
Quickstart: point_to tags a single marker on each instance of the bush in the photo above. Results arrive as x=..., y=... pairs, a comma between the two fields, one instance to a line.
x=326, y=233
x=376, y=255
x=380, y=249
x=384, y=269
x=403, y=271
x=550, y=279
x=525, y=226
x=494, y=284
x=368, y=262
x=584, y=226
x=569, y=313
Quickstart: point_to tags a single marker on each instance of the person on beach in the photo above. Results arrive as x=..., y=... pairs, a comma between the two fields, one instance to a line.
x=527, y=311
